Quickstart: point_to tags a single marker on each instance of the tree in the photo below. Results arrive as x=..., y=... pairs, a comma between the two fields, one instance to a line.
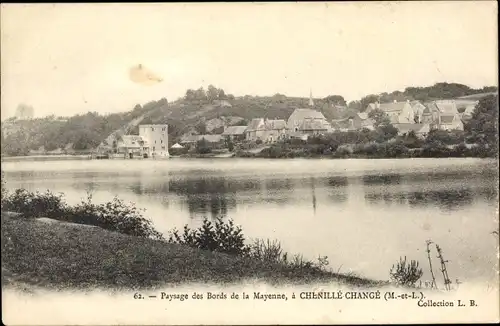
x=222, y=94
x=386, y=132
x=200, y=94
x=138, y=107
x=190, y=95
x=380, y=117
x=230, y=144
x=482, y=128
x=335, y=99
x=202, y=146
x=212, y=93
x=367, y=100
x=355, y=105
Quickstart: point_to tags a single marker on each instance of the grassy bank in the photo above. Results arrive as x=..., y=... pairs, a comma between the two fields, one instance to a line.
x=65, y=255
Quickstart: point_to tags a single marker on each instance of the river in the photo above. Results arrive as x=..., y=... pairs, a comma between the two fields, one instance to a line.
x=362, y=214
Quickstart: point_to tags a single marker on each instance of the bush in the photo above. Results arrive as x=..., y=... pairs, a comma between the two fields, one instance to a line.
x=446, y=137
x=35, y=204
x=219, y=236
x=406, y=274
x=434, y=149
x=5, y=193
x=342, y=152
x=267, y=251
x=114, y=215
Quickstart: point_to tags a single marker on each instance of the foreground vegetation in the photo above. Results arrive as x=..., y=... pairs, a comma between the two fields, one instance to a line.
x=63, y=256
x=87, y=253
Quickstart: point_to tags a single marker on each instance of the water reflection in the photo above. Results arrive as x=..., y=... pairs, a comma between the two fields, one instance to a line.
x=336, y=187
x=384, y=179
x=206, y=195
x=445, y=191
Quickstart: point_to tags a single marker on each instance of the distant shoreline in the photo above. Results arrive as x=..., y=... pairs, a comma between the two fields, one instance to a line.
x=43, y=157
x=234, y=156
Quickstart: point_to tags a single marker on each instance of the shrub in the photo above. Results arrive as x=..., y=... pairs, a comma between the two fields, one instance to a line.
x=219, y=236
x=395, y=150
x=5, y=193
x=447, y=137
x=115, y=215
x=267, y=251
x=406, y=274
x=342, y=152
x=35, y=204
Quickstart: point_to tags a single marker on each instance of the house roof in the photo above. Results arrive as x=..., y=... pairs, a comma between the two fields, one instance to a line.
x=417, y=106
x=275, y=124
x=177, y=145
x=447, y=119
x=394, y=119
x=431, y=106
x=234, y=130
x=371, y=106
x=391, y=107
x=446, y=106
x=254, y=124
x=301, y=114
x=470, y=109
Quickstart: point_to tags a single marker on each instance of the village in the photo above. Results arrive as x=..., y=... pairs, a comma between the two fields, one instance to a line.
x=407, y=116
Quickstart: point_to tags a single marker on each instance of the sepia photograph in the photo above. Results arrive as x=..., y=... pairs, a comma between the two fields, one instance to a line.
x=250, y=163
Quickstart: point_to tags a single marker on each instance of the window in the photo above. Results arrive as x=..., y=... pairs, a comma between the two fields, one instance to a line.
x=152, y=129
x=163, y=147
x=161, y=141
x=154, y=148
x=155, y=141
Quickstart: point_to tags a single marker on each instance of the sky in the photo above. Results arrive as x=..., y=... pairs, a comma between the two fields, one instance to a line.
x=66, y=59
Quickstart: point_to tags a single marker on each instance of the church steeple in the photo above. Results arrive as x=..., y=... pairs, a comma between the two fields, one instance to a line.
x=311, y=102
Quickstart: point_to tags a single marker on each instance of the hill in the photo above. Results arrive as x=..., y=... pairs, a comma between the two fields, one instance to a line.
x=200, y=111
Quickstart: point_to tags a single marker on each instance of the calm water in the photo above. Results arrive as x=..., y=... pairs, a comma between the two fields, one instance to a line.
x=362, y=214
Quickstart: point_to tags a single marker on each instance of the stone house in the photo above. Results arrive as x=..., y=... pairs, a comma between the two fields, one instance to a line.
x=398, y=112
x=255, y=129
x=307, y=121
x=235, y=133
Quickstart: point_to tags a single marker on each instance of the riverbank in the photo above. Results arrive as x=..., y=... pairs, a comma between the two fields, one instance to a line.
x=57, y=255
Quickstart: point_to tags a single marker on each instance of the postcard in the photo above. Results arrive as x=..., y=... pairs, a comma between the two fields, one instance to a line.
x=249, y=163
